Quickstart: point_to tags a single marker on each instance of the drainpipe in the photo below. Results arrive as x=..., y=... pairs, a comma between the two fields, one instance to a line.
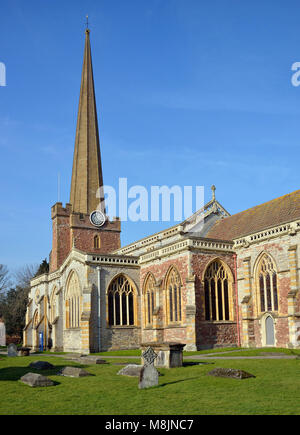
x=99, y=308
x=237, y=300
x=45, y=323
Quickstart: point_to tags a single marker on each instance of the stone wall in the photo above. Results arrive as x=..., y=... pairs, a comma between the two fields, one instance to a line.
x=72, y=340
x=61, y=244
x=75, y=230
x=163, y=331
x=83, y=233
x=193, y=329
x=284, y=252
x=125, y=337
x=213, y=334
x=216, y=334
x=112, y=337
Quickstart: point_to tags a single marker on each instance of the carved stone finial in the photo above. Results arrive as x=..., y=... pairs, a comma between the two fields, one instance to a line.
x=213, y=189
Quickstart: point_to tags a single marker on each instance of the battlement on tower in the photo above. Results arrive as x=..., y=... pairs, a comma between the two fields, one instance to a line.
x=58, y=210
x=75, y=230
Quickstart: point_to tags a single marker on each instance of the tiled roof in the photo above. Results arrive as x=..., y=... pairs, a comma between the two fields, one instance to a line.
x=272, y=213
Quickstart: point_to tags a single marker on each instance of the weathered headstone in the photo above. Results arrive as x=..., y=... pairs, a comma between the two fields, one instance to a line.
x=2, y=334
x=36, y=380
x=149, y=374
x=91, y=359
x=86, y=359
x=131, y=370
x=74, y=372
x=41, y=365
x=148, y=377
x=230, y=373
x=12, y=350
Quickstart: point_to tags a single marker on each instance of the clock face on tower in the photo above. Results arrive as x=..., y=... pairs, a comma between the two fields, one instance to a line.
x=97, y=218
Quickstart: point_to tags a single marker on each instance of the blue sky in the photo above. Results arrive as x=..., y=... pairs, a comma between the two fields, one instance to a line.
x=188, y=93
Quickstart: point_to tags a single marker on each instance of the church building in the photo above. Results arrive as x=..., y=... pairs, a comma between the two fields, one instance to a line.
x=232, y=282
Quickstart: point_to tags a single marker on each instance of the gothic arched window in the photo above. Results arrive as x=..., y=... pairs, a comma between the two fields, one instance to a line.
x=149, y=299
x=72, y=301
x=217, y=292
x=267, y=283
x=120, y=302
x=173, y=288
x=96, y=242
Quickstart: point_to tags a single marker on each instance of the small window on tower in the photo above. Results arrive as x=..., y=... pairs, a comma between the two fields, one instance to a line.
x=96, y=242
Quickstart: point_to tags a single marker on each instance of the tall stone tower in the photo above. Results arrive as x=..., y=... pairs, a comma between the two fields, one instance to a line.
x=82, y=223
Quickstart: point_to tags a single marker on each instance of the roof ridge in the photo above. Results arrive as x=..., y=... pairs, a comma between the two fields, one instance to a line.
x=260, y=205
x=285, y=208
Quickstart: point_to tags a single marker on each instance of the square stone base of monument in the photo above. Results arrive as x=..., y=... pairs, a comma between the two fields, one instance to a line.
x=169, y=354
x=24, y=351
x=148, y=377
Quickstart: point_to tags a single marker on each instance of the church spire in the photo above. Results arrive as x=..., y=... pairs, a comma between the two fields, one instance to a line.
x=87, y=171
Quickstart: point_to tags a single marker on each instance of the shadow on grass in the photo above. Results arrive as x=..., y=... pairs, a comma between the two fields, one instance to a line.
x=177, y=382
x=188, y=364
x=55, y=383
x=15, y=373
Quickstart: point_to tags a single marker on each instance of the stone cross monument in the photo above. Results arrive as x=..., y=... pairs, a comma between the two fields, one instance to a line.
x=149, y=374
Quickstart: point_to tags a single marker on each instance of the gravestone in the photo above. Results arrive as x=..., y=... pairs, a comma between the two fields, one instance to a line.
x=12, y=350
x=36, y=380
x=74, y=372
x=149, y=374
x=41, y=365
x=2, y=334
x=131, y=370
x=230, y=373
x=87, y=359
x=91, y=359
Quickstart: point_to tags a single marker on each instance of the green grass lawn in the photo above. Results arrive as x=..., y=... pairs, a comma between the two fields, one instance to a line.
x=260, y=351
x=181, y=391
x=137, y=352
